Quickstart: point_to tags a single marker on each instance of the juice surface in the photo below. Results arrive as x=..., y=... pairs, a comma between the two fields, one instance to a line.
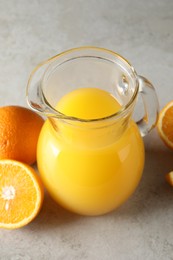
x=88, y=103
x=96, y=174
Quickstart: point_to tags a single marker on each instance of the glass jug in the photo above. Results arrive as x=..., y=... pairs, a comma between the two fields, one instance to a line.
x=91, y=166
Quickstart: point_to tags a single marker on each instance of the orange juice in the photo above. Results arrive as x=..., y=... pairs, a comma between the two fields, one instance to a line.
x=88, y=103
x=90, y=167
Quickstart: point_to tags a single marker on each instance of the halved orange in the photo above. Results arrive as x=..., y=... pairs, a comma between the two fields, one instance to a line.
x=165, y=124
x=21, y=194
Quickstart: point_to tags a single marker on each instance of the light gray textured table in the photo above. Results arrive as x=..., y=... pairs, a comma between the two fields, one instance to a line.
x=141, y=31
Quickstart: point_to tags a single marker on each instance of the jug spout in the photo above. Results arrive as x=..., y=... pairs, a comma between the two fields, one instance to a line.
x=34, y=94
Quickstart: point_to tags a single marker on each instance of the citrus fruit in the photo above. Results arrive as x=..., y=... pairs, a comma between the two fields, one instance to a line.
x=21, y=194
x=169, y=178
x=19, y=131
x=165, y=124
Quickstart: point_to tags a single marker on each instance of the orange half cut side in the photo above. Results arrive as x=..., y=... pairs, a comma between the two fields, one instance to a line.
x=165, y=124
x=21, y=194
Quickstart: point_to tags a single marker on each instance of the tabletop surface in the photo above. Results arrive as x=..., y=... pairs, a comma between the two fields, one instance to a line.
x=141, y=31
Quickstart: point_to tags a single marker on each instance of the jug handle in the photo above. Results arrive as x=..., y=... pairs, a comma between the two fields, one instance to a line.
x=151, y=106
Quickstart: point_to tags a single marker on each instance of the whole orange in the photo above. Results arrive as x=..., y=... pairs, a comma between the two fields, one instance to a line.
x=19, y=131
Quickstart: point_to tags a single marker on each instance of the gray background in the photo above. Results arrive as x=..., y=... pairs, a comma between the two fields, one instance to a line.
x=141, y=31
